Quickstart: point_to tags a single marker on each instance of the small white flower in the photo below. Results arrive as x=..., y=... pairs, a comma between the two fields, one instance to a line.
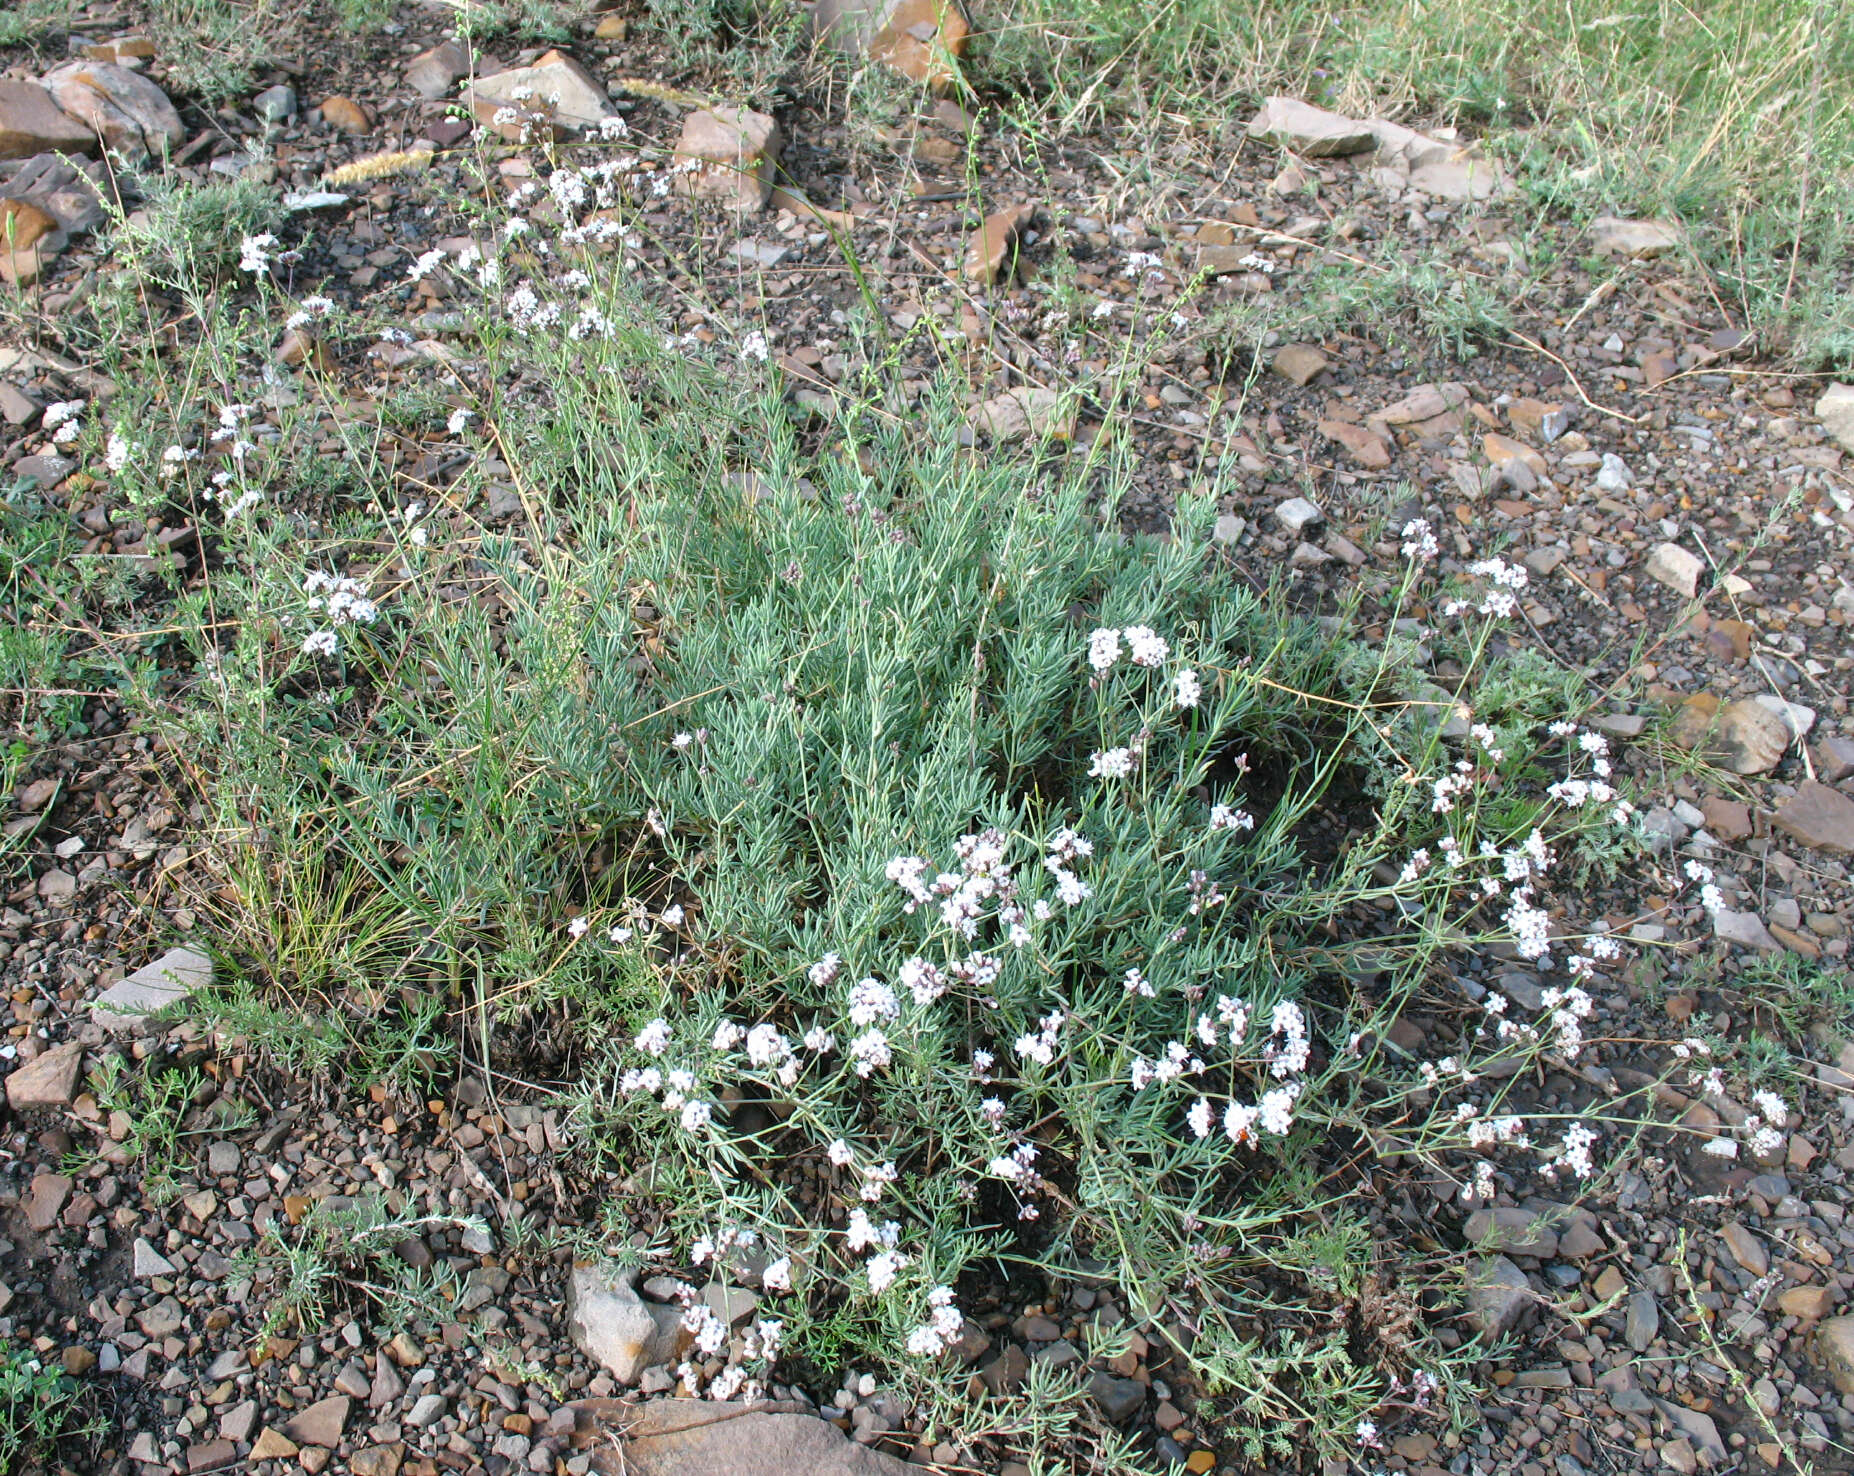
x=1111, y=763
x=1103, y=648
x=1187, y=689
x=1148, y=647
x=255, y=252
x=654, y=1038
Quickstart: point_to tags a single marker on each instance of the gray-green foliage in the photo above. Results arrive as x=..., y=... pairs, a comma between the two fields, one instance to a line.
x=647, y=747
x=213, y=48
x=348, y=1249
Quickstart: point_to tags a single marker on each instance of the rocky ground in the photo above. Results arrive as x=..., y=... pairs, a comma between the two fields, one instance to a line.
x=1685, y=508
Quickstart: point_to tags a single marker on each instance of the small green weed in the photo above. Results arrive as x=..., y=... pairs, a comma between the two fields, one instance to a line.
x=28, y=20
x=157, y=1098
x=39, y=1407
x=348, y=1249
x=364, y=15
x=213, y=49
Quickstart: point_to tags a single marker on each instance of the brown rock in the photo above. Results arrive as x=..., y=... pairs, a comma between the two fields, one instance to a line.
x=1299, y=362
x=346, y=116
x=1748, y=738
x=1537, y=419
x=273, y=1445
x=31, y=122
x=1425, y=402
x=1834, y=758
x=1729, y=639
x=1693, y=721
x=993, y=247
x=45, y=1198
x=1515, y=1231
x=376, y=1460
x=432, y=73
x=736, y=151
x=921, y=39
x=165, y=1318
x=25, y=250
x=1729, y=820
x=1811, y=1303
x=130, y=112
x=321, y=1423
x=1503, y=449
x=1746, y=1248
x=1833, y=1348
x=1498, y=1296
x=697, y=1437
x=1614, y=236
x=122, y=51
x=1367, y=449
x=23, y=224
x=48, y=1080
x=299, y=346
x=1819, y=817
x=1028, y=412
x=556, y=88
x=613, y=28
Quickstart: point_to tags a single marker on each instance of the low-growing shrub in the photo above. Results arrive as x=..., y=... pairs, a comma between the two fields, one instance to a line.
x=936, y=888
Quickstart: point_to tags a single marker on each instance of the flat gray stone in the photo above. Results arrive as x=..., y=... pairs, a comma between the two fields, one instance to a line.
x=154, y=987
x=1498, y=1296
x=1310, y=131
x=556, y=85
x=1819, y=817
x=1297, y=514
x=698, y=1437
x=615, y=1327
x=1746, y=929
x=1519, y=1232
x=1614, y=236
x=1642, y=1323
x=149, y=1261
x=1835, y=409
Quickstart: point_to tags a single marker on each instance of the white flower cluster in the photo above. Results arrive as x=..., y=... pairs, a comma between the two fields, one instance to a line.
x=344, y=601
x=941, y=1330
x=61, y=419
x=1040, y=1046
x=1285, y=1051
x=1419, y=541
x=1501, y=600
x=254, y=252
x=1144, y=646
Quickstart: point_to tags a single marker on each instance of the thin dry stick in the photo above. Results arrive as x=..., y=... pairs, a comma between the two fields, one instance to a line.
x=1571, y=375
